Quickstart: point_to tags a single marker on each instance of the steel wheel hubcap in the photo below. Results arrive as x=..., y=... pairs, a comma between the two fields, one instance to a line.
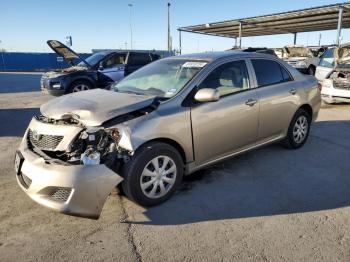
x=158, y=177
x=300, y=129
x=80, y=87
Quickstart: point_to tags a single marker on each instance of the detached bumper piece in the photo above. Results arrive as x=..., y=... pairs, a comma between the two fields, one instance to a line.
x=79, y=190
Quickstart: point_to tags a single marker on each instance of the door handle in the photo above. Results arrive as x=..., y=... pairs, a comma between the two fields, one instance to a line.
x=293, y=91
x=251, y=102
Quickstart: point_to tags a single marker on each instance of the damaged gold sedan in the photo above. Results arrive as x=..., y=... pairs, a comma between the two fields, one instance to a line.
x=166, y=120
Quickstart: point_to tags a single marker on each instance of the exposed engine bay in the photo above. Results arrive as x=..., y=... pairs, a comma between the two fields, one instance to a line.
x=92, y=146
x=341, y=79
x=337, y=74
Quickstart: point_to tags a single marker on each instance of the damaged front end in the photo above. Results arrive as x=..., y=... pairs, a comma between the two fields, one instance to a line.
x=336, y=88
x=91, y=146
x=69, y=167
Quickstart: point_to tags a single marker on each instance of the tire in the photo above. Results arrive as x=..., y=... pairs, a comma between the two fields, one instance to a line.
x=80, y=85
x=141, y=170
x=311, y=70
x=303, y=120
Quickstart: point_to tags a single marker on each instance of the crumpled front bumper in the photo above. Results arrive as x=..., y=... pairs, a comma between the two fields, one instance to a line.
x=333, y=95
x=78, y=190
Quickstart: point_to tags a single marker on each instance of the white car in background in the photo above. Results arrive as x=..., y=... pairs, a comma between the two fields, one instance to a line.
x=335, y=72
x=301, y=58
x=326, y=65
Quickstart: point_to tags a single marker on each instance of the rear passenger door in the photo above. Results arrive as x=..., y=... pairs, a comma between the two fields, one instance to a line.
x=278, y=98
x=136, y=61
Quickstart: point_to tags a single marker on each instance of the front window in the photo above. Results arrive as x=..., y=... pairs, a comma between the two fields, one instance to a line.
x=163, y=78
x=228, y=78
x=115, y=60
x=327, y=59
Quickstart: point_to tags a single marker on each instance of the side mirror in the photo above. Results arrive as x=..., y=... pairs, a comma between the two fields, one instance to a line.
x=207, y=95
x=100, y=67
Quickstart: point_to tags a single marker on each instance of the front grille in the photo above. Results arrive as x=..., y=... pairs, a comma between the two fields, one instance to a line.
x=61, y=194
x=341, y=84
x=44, y=142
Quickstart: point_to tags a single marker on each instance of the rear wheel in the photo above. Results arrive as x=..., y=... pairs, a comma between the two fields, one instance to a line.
x=80, y=86
x=153, y=174
x=298, y=130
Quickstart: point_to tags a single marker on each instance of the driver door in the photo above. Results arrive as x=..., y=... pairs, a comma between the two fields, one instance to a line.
x=230, y=124
x=113, y=67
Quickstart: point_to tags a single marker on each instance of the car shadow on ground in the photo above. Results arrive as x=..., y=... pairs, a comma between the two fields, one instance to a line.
x=15, y=121
x=269, y=181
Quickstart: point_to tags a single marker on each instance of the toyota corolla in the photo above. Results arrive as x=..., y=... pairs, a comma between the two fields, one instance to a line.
x=168, y=119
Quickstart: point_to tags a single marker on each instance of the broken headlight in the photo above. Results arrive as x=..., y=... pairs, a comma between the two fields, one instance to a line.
x=90, y=157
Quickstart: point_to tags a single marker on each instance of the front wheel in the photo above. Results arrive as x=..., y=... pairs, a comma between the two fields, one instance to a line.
x=298, y=130
x=79, y=86
x=153, y=174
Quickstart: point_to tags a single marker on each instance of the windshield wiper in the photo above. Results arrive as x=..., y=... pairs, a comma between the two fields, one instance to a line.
x=129, y=92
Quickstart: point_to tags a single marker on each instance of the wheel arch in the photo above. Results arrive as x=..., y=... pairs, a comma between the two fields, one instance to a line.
x=307, y=108
x=170, y=142
x=312, y=66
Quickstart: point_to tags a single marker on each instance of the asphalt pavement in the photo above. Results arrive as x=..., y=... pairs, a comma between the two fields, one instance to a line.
x=271, y=204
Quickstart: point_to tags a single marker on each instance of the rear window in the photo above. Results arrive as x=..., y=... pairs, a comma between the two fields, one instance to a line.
x=139, y=59
x=269, y=72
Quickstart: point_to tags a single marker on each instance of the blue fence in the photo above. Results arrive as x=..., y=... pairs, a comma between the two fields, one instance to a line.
x=14, y=61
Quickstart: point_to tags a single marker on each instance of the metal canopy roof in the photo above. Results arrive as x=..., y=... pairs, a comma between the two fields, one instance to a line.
x=303, y=20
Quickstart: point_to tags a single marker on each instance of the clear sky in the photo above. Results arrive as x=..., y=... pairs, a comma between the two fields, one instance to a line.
x=25, y=25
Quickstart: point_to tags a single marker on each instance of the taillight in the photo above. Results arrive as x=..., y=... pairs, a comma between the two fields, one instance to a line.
x=319, y=86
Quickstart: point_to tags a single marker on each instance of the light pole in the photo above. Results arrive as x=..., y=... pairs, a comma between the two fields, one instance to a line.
x=130, y=5
x=2, y=56
x=169, y=37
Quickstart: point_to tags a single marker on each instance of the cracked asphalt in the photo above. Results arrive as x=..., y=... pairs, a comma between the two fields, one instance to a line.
x=271, y=204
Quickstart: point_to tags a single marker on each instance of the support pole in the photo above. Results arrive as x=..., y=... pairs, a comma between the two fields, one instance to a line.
x=130, y=5
x=295, y=38
x=340, y=19
x=235, y=41
x=169, y=38
x=240, y=35
x=319, y=39
x=180, y=42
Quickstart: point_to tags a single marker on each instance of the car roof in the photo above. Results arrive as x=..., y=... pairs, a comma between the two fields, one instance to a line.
x=212, y=56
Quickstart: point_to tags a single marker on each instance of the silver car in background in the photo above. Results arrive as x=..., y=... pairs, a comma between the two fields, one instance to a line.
x=168, y=119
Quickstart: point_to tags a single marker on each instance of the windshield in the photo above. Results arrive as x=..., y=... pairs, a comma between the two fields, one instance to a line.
x=327, y=59
x=93, y=59
x=163, y=78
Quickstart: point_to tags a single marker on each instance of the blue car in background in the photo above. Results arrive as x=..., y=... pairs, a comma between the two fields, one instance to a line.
x=99, y=70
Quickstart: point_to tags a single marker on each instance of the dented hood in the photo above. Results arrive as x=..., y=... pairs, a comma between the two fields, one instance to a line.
x=342, y=54
x=94, y=107
x=64, y=51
